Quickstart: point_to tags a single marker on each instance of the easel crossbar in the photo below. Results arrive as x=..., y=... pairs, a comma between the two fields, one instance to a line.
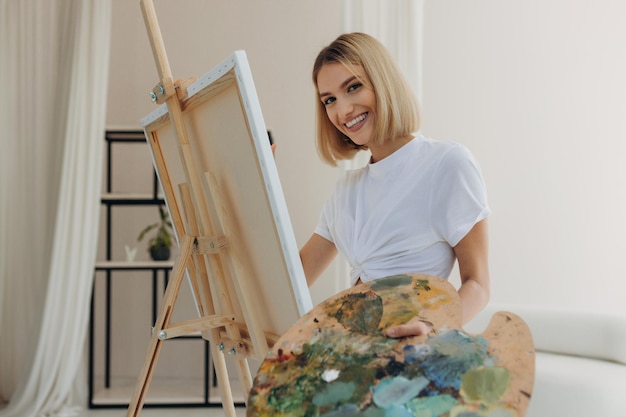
x=188, y=327
x=209, y=244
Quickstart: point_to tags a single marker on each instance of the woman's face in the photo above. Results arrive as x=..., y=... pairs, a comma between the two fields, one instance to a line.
x=350, y=105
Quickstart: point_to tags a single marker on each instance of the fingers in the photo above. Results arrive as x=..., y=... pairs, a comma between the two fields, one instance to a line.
x=414, y=328
x=274, y=149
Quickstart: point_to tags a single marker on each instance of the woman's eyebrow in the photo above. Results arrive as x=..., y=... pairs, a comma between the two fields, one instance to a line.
x=342, y=86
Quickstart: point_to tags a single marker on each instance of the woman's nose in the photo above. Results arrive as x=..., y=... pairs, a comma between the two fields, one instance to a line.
x=345, y=108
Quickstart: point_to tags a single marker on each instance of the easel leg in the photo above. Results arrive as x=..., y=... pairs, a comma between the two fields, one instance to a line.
x=222, y=381
x=216, y=353
x=137, y=401
x=245, y=377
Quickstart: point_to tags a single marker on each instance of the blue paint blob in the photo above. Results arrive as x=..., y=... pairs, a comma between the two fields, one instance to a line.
x=454, y=353
x=413, y=353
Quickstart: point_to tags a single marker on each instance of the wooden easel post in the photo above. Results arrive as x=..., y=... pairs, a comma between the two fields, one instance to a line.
x=202, y=246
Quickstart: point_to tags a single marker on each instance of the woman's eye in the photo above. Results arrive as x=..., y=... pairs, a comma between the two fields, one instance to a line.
x=354, y=87
x=328, y=101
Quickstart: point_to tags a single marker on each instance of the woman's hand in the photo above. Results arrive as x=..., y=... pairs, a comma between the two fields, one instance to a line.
x=415, y=327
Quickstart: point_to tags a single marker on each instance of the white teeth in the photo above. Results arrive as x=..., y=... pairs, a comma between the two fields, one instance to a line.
x=356, y=120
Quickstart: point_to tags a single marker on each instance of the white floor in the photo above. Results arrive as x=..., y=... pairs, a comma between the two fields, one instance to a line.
x=166, y=392
x=164, y=412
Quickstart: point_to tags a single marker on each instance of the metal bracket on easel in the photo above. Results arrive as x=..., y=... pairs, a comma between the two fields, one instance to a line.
x=164, y=90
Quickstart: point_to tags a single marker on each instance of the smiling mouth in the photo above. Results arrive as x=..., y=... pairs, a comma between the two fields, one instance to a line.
x=356, y=120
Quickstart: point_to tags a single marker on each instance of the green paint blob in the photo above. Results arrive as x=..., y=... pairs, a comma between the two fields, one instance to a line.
x=359, y=313
x=422, y=284
x=335, y=393
x=431, y=406
x=391, y=282
x=485, y=384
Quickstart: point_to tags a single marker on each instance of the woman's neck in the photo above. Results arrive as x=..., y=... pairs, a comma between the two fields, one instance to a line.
x=380, y=152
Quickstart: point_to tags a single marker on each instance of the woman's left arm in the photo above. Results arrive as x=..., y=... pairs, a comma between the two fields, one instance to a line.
x=472, y=254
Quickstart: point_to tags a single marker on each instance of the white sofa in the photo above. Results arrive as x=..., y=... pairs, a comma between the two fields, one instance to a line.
x=580, y=361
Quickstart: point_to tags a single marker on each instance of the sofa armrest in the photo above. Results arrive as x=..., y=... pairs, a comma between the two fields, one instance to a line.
x=587, y=334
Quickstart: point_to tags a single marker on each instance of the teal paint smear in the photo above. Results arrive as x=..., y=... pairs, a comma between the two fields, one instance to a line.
x=390, y=282
x=486, y=383
x=397, y=410
x=349, y=410
x=431, y=406
x=374, y=411
x=397, y=391
x=335, y=393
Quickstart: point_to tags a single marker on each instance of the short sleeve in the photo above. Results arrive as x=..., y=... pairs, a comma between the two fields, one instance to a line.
x=459, y=198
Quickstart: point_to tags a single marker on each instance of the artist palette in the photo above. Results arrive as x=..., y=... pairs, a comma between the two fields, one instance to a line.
x=337, y=361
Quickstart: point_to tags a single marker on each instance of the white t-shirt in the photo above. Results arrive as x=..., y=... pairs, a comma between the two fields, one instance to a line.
x=405, y=213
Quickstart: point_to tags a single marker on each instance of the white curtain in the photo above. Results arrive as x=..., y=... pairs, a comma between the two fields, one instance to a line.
x=53, y=73
x=397, y=24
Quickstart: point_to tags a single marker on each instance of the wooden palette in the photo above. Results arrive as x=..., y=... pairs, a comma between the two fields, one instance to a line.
x=336, y=361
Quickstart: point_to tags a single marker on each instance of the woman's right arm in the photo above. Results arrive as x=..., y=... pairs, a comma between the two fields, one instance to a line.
x=316, y=254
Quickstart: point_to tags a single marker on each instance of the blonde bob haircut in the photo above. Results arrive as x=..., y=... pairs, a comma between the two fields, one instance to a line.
x=397, y=114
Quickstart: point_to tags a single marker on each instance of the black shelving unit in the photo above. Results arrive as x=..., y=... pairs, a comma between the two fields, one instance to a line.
x=154, y=269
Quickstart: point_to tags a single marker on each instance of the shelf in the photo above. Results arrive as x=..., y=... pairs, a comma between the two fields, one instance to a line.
x=131, y=199
x=125, y=135
x=107, y=390
x=131, y=265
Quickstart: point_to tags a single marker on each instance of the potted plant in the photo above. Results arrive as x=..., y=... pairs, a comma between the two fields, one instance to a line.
x=159, y=245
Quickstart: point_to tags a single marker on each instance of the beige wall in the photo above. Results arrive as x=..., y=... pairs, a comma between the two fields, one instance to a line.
x=537, y=90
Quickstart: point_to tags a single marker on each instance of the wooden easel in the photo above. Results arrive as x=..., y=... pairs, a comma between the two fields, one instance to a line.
x=204, y=258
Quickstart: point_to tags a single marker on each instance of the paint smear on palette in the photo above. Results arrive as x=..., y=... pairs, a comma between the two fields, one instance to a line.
x=335, y=393
x=434, y=406
x=391, y=282
x=358, y=312
x=397, y=390
x=453, y=354
x=352, y=369
x=404, y=298
x=485, y=384
x=400, y=304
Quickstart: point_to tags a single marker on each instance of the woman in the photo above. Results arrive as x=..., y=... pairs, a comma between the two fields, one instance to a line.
x=417, y=206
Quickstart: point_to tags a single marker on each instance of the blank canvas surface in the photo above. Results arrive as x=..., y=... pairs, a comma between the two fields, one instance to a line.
x=229, y=142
